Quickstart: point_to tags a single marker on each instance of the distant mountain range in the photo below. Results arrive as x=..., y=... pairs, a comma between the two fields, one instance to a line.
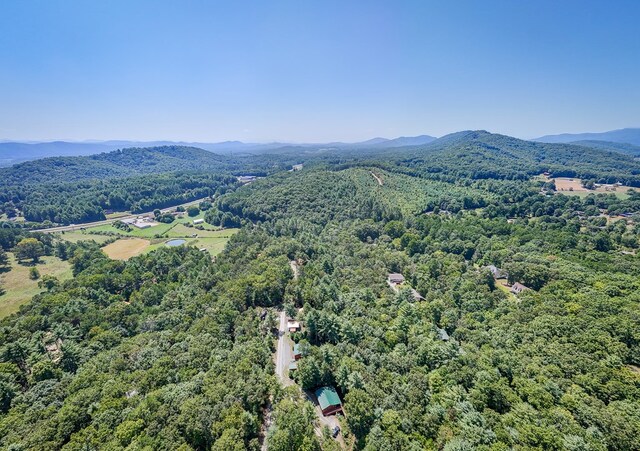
x=625, y=135
x=625, y=141
x=16, y=152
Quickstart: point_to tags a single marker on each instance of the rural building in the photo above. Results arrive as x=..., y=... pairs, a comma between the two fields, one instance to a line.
x=297, y=354
x=198, y=221
x=442, y=334
x=329, y=400
x=293, y=366
x=396, y=278
x=140, y=222
x=518, y=288
x=293, y=326
x=497, y=272
x=297, y=167
x=417, y=296
x=246, y=178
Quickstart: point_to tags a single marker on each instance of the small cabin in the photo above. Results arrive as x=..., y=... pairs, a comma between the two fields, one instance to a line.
x=198, y=221
x=329, y=400
x=396, y=278
x=297, y=353
x=293, y=326
x=518, y=288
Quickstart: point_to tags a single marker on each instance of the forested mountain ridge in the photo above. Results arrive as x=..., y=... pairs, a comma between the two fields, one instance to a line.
x=480, y=154
x=118, y=163
x=624, y=135
x=625, y=148
x=16, y=152
x=71, y=182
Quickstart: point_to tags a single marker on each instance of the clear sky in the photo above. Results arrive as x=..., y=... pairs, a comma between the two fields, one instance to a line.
x=313, y=71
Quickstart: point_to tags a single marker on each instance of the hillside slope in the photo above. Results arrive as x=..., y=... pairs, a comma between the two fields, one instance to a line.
x=119, y=163
x=625, y=148
x=625, y=135
x=480, y=154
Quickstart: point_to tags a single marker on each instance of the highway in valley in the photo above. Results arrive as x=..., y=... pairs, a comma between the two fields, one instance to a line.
x=72, y=227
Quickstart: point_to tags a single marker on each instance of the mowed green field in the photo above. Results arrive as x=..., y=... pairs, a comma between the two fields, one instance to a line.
x=76, y=236
x=20, y=288
x=158, y=230
x=212, y=238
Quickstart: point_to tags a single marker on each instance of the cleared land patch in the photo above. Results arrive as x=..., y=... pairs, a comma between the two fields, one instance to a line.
x=573, y=186
x=20, y=288
x=212, y=241
x=74, y=237
x=176, y=228
x=124, y=249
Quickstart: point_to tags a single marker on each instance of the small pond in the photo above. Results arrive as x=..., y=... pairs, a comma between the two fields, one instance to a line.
x=174, y=243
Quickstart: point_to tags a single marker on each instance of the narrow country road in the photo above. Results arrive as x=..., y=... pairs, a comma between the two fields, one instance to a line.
x=282, y=357
x=284, y=351
x=378, y=179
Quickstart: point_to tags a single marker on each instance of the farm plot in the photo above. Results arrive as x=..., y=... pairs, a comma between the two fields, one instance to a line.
x=126, y=248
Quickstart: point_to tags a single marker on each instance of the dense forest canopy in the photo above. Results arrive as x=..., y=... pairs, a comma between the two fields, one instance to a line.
x=173, y=349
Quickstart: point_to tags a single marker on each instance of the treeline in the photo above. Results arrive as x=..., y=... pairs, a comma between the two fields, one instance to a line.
x=85, y=201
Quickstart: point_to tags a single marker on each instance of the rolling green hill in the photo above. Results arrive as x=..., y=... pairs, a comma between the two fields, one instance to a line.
x=625, y=148
x=119, y=163
x=483, y=155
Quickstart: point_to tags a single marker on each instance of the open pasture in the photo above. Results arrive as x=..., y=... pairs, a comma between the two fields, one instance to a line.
x=126, y=248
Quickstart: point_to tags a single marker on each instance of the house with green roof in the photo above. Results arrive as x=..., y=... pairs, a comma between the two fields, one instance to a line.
x=329, y=400
x=297, y=354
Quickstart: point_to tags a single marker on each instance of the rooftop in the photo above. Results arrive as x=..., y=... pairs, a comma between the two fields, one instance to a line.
x=327, y=397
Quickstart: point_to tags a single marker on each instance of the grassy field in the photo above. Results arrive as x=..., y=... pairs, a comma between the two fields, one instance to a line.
x=126, y=248
x=573, y=186
x=20, y=288
x=212, y=241
x=158, y=230
x=76, y=236
x=139, y=241
x=501, y=285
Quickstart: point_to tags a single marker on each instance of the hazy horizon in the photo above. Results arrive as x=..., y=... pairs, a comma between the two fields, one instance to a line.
x=285, y=141
x=304, y=73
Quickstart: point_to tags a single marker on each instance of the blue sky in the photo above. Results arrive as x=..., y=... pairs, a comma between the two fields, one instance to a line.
x=315, y=70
